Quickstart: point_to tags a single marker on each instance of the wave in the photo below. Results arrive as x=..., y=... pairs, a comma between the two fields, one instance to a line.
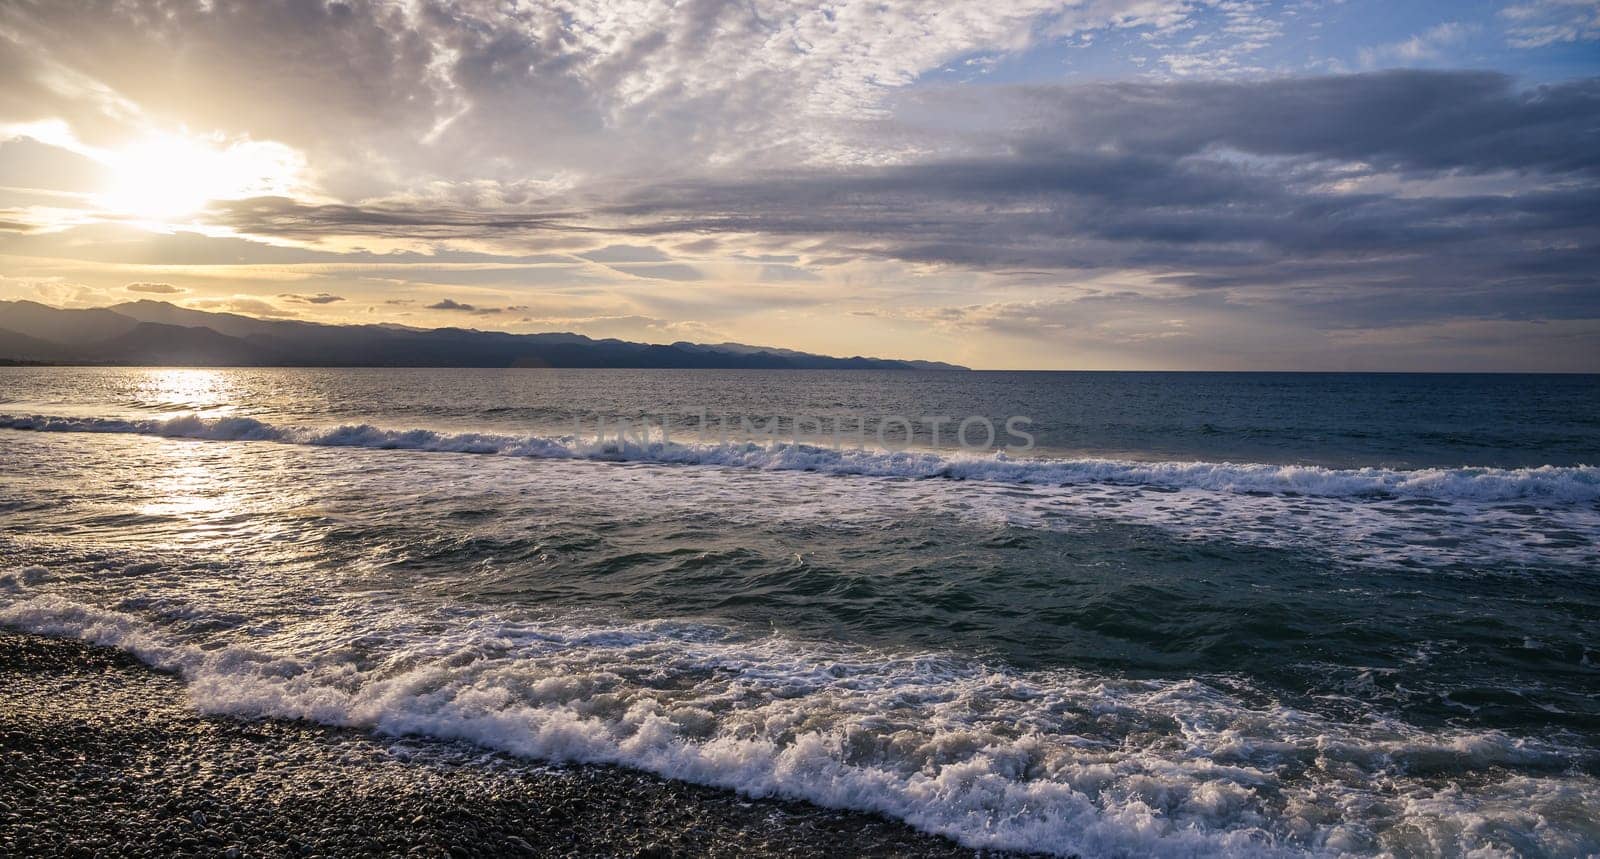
x=1554, y=484
x=1058, y=762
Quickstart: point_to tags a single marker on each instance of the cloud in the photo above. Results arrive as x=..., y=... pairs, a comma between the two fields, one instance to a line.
x=635, y=327
x=241, y=304
x=736, y=154
x=28, y=163
x=451, y=305
x=1547, y=22
x=776, y=273
x=155, y=288
x=642, y=262
x=468, y=90
x=246, y=67
x=625, y=253
x=1207, y=329
x=1247, y=28
x=55, y=290
x=665, y=271
x=1393, y=194
x=281, y=216
x=1427, y=45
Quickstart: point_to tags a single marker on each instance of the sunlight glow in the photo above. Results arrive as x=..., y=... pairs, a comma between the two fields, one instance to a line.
x=168, y=176
x=190, y=391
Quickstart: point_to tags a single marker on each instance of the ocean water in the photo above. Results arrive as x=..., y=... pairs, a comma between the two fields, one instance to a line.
x=1263, y=614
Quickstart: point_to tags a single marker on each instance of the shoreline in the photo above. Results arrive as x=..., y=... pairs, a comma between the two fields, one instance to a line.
x=102, y=754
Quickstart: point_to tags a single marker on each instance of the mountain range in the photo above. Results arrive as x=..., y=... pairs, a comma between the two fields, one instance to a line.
x=157, y=333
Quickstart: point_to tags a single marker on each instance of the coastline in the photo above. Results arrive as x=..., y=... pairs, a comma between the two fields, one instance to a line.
x=102, y=754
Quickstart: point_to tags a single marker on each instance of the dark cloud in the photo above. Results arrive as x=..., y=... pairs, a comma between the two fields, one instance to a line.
x=452, y=305
x=154, y=288
x=1396, y=195
x=319, y=298
x=281, y=216
x=1377, y=187
x=1393, y=120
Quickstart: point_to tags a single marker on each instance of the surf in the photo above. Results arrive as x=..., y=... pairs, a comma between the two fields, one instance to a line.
x=1547, y=484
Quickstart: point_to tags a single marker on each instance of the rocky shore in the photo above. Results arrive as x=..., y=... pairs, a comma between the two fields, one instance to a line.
x=101, y=756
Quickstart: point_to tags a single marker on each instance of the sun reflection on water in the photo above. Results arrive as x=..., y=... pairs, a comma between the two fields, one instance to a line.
x=201, y=392
x=187, y=488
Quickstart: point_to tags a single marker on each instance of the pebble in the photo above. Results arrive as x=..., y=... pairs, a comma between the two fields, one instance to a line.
x=171, y=781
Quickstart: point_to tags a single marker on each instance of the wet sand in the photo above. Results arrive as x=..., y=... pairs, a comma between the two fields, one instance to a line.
x=100, y=755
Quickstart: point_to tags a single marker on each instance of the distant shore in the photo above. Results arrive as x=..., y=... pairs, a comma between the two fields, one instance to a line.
x=102, y=755
x=156, y=333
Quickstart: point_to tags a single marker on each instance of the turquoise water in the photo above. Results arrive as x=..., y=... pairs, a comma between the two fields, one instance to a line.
x=1211, y=613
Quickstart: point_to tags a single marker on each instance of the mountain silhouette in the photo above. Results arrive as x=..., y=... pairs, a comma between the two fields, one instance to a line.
x=156, y=333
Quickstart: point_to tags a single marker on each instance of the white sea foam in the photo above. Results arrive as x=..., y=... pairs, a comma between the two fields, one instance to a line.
x=1544, y=484
x=1061, y=762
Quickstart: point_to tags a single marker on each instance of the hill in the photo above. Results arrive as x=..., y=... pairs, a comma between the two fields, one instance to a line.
x=162, y=334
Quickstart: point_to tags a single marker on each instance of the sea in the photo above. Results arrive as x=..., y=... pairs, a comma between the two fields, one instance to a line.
x=1193, y=614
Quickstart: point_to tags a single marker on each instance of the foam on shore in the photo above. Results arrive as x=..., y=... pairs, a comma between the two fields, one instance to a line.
x=1063, y=762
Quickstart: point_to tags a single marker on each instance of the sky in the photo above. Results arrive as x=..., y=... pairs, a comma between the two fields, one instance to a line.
x=1090, y=184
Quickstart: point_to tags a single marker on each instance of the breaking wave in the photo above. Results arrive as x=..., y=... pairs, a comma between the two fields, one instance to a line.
x=1063, y=762
x=1552, y=484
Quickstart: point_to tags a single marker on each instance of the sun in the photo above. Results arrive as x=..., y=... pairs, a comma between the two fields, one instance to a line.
x=166, y=177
